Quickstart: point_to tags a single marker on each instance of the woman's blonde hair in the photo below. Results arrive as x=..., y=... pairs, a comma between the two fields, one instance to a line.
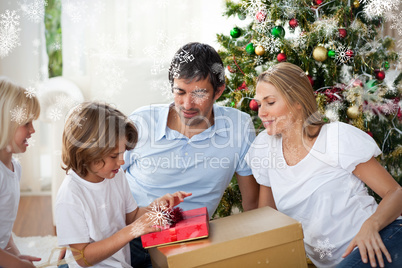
x=18, y=107
x=92, y=131
x=292, y=82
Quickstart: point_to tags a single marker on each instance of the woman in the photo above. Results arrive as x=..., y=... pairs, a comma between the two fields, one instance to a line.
x=315, y=172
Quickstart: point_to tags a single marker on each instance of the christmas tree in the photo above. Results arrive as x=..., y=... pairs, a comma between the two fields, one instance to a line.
x=338, y=43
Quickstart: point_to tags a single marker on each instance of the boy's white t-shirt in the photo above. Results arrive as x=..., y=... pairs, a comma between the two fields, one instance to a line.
x=9, y=200
x=87, y=212
x=320, y=191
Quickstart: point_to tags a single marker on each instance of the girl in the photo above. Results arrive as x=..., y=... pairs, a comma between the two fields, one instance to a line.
x=315, y=172
x=18, y=110
x=96, y=214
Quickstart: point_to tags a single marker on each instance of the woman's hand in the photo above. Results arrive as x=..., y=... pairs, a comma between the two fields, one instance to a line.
x=368, y=240
x=170, y=200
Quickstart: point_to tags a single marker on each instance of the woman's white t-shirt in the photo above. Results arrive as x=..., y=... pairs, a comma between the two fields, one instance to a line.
x=9, y=200
x=320, y=191
x=87, y=212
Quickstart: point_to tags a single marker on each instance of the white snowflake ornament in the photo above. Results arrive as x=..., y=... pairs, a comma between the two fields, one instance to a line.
x=9, y=32
x=159, y=214
x=19, y=114
x=324, y=248
x=30, y=92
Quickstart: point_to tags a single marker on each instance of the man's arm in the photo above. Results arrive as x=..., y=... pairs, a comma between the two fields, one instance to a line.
x=249, y=190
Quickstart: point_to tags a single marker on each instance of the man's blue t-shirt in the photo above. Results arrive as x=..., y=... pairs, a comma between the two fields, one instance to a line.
x=166, y=161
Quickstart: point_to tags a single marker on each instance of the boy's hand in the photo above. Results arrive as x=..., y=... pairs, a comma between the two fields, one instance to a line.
x=143, y=225
x=171, y=200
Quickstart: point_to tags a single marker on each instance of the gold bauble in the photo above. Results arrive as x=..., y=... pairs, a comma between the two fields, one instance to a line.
x=353, y=112
x=356, y=3
x=259, y=50
x=320, y=53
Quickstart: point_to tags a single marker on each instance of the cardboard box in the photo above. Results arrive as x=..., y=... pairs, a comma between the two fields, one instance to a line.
x=261, y=237
x=193, y=226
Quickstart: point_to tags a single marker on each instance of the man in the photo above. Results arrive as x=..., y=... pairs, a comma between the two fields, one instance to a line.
x=192, y=145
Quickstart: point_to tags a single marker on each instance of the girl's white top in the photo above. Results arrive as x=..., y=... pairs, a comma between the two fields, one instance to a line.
x=320, y=191
x=9, y=200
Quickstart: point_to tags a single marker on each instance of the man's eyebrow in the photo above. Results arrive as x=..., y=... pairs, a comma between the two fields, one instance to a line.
x=177, y=88
x=198, y=90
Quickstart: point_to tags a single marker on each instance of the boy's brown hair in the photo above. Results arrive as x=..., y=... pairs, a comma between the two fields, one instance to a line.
x=91, y=132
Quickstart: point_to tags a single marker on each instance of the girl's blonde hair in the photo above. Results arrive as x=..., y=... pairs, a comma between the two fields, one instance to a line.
x=92, y=131
x=292, y=82
x=18, y=107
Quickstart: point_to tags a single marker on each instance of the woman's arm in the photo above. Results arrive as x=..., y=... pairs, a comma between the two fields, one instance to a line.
x=266, y=197
x=368, y=239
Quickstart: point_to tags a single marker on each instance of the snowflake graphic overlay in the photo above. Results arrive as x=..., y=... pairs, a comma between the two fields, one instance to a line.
x=55, y=114
x=31, y=142
x=374, y=8
x=324, y=248
x=340, y=55
x=175, y=70
x=219, y=70
x=159, y=215
x=30, y=92
x=137, y=229
x=18, y=115
x=9, y=32
x=259, y=60
x=252, y=7
x=199, y=96
x=34, y=11
x=185, y=57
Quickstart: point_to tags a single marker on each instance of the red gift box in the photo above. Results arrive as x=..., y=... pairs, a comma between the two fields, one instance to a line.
x=195, y=225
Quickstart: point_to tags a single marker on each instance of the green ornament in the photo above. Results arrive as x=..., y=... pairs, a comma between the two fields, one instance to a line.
x=278, y=31
x=235, y=32
x=325, y=119
x=331, y=53
x=371, y=86
x=232, y=104
x=250, y=49
x=386, y=65
x=241, y=16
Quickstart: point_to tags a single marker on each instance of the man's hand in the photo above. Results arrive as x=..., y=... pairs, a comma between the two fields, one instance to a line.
x=170, y=200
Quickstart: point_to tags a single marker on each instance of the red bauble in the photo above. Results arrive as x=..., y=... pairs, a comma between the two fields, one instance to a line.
x=380, y=75
x=260, y=16
x=231, y=69
x=349, y=53
x=293, y=23
x=318, y=2
x=310, y=78
x=281, y=57
x=253, y=105
x=342, y=32
x=370, y=133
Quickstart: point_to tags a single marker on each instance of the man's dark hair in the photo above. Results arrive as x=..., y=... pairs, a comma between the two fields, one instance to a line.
x=197, y=61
